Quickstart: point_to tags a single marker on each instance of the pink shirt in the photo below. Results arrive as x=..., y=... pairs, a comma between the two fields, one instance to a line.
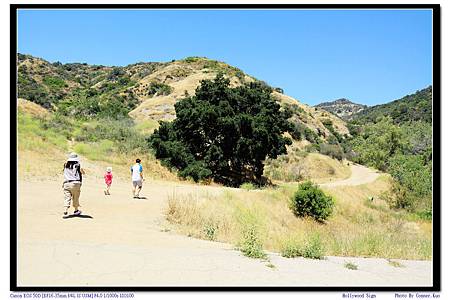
x=108, y=178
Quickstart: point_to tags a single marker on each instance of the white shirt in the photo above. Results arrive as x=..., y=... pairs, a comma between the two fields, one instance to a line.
x=136, y=172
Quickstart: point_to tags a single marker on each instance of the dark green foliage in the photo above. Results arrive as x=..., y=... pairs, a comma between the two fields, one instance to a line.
x=192, y=59
x=87, y=104
x=300, y=131
x=311, y=136
x=415, y=107
x=29, y=89
x=309, y=200
x=158, y=89
x=116, y=74
x=293, y=109
x=378, y=142
x=48, y=84
x=335, y=138
x=405, y=151
x=79, y=106
x=223, y=133
x=413, y=184
x=54, y=83
x=327, y=122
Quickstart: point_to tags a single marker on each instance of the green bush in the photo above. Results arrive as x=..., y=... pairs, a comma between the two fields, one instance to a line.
x=158, y=89
x=309, y=200
x=54, y=83
x=334, y=151
x=247, y=186
x=291, y=249
x=251, y=244
x=314, y=248
x=413, y=183
x=351, y=266
x=378, y=142
x=312, y=148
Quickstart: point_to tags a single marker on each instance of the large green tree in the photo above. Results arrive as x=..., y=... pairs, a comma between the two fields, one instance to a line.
x=223, y=133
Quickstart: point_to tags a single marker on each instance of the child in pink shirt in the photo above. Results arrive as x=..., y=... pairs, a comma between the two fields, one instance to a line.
x=108, y=179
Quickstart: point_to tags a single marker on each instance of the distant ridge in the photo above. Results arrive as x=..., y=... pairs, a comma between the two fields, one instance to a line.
x=414, y=107
x=343, y=108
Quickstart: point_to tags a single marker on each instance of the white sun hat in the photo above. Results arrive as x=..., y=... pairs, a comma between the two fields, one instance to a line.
x=108, y=169
x=73, y=157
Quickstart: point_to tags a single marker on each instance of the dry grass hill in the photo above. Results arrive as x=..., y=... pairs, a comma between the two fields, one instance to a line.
x=152, y=88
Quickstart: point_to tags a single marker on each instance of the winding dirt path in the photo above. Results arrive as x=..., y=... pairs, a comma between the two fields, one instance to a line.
x=360, y=175
x=123, y=242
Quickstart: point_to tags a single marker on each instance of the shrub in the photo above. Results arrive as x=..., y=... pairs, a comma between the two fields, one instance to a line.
x=158, y=89
x=54, y=83
x=351, y=266
x=290, y=249
x=309, y=200
x=312, y=148
x=247, y=186
x=314, y=248
x=279, y=90
x=311, y=136
x=251, y=244
x=413, y=183
x=334, y=151
x=191, y=59
x=210, y=230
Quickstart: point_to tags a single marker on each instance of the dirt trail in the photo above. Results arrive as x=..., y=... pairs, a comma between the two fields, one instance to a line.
x=123, y=241
x=360, y=175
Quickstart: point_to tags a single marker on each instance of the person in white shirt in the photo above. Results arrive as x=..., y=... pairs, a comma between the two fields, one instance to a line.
x=137, y=178
x=73, y=177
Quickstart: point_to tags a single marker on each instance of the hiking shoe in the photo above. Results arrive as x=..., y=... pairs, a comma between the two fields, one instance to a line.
x=65, y=215
x=77, y=212
x=105, y=192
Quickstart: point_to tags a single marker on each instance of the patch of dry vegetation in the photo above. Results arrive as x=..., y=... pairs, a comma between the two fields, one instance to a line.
x=357, y=227
x=42, y=153
x=298, y=165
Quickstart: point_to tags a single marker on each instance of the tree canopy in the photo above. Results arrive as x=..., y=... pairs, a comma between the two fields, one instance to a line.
x=223, y=133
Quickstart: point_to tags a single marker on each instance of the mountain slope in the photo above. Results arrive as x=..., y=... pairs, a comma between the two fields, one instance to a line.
x=415, y=107
x=144, y=91
x=343, y=108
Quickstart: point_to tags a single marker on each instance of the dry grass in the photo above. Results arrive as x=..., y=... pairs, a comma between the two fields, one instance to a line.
x=298, y=165
x=31, y=108
x=42, y=153
x=321, y=168
x=356, y=228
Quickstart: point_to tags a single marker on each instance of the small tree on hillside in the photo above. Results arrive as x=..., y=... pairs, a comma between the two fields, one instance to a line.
x=223, y=133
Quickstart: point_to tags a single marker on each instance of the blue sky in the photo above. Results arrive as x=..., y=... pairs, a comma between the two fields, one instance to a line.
x=367, y=56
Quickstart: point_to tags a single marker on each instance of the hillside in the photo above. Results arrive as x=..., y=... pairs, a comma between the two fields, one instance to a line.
x=146, y=92
x=415, y=107
x=343, y=108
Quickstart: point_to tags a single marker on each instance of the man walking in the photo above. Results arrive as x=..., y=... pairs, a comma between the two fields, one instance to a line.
x=72, y=184
x=137, y=178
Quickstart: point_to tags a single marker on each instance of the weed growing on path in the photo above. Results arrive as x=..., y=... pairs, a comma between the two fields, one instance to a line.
x=351, y=266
